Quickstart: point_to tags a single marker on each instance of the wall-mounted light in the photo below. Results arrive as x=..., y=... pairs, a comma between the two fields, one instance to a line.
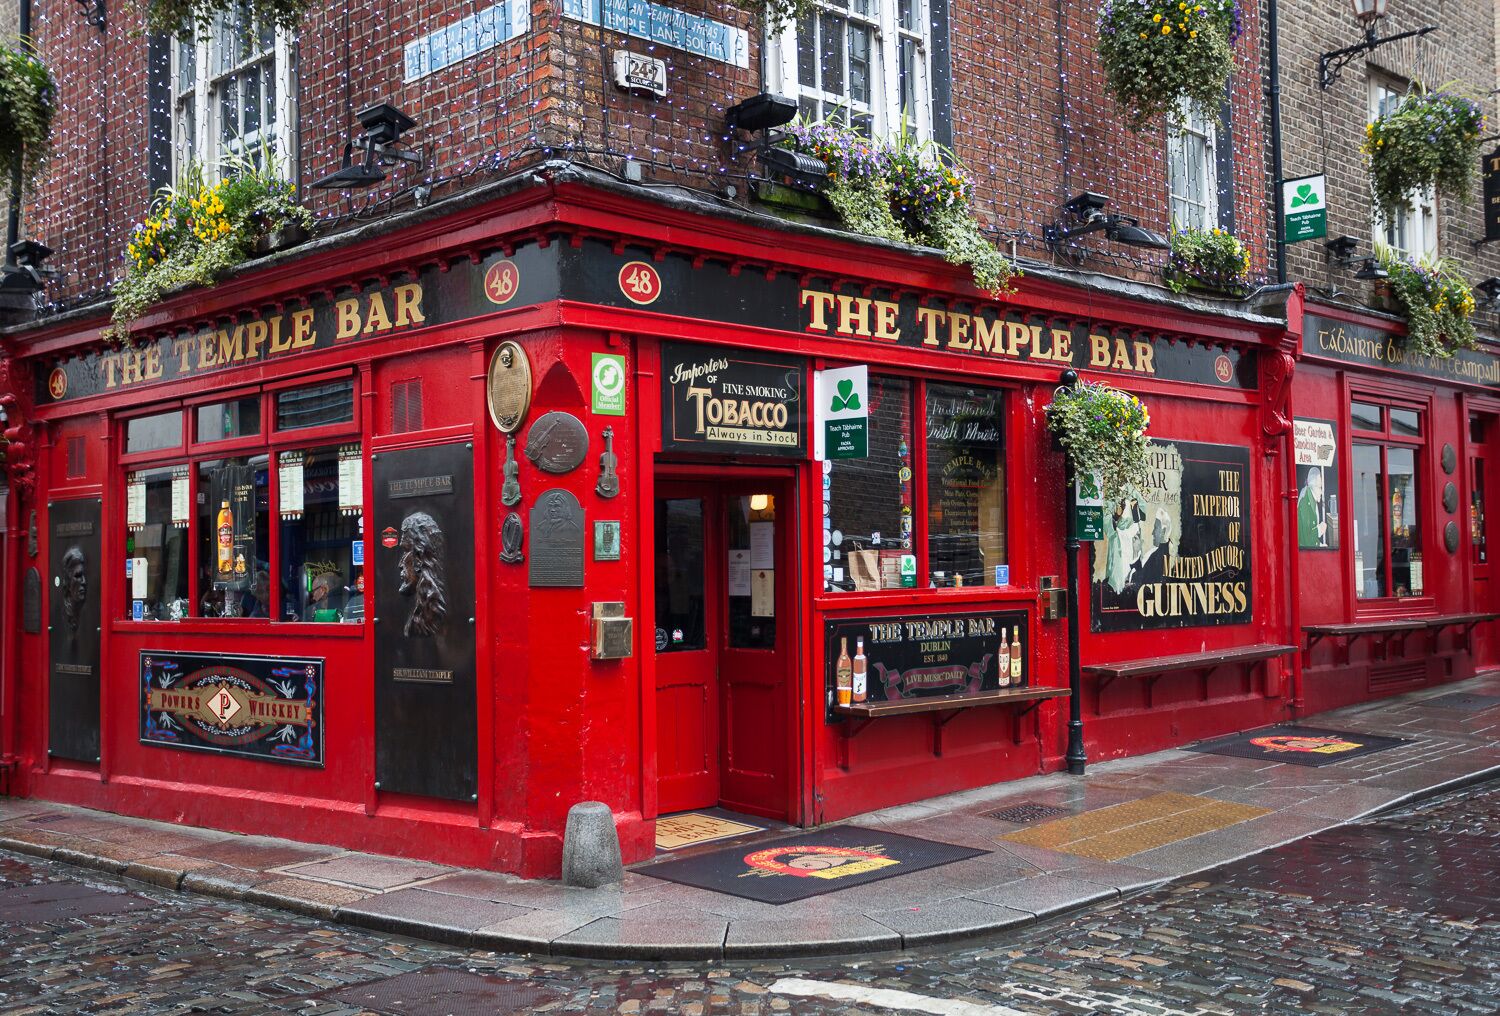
x=1371, y=270
x=382, y=126
x=1369, y=14
x=763, y=113
x=1340, y=250
x=1489, y=289
x=1087, y=213
x=23, y=271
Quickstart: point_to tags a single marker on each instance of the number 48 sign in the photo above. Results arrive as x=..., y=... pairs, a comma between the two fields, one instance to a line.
x=640, y=283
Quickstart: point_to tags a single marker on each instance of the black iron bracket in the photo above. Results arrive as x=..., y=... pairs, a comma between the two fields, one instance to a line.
x=1330, y=65
x=93, y=12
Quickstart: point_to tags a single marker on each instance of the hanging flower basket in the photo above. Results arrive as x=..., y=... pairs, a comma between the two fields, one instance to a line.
x=1430, y=140
x=1157, y=53
x=173, y=17
x=1208, y=259
x=28, y=98
x=1435, y=299
x=198, y=231
x=903, y=191
x=1102, y=430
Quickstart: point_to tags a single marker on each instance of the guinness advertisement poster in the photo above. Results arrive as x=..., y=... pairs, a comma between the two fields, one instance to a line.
x=1372, y=347
x=726, y=400
x=1316, y=451
x=928, y=655
x=264, y=707
x=1176, y=551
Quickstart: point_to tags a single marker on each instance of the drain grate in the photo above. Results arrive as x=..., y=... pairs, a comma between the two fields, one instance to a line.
x=445, y=991
x=59, y=901
x=1465, y=701
x=1028, y=811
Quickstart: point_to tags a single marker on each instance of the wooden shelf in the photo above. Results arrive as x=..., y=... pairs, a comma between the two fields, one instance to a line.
x=1188, y=661
x=907, y=707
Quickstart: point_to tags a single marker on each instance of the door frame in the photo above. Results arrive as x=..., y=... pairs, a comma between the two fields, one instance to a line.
x=730, y=471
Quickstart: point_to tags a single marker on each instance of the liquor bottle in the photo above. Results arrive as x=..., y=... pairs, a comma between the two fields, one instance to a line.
x=1004, y=663
x=1015, y=656
x=860, y=666
x=226, y=539
x=844, y=674
x=1398, y=520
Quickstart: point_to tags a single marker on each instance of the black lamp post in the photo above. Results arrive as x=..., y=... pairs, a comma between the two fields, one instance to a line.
x=1076, y=757
x=1369, y=13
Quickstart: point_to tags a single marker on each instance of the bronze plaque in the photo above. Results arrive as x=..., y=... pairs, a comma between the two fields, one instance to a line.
x=73, y=621
x=31, y=603
x=1450, y=537
x=1450, y=459
x=508, y=388
x=557, y=442
x=1450, y=497
x=556, y=540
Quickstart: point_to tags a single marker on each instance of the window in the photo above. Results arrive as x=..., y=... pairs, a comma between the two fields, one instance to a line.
x=231, y=94
x=1192, y=169
x=316, y=406
x=1413, y=228
x=965, y=456
x=1387, y=500
x=880, y=527
x=273, y=531
x=867, y=61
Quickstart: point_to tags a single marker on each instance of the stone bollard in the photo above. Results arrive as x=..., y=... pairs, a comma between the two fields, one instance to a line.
x=591, y=847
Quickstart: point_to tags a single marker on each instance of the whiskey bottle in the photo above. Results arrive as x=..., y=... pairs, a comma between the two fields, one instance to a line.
x=844, y=674
x=860, y=665
x=1015, y=656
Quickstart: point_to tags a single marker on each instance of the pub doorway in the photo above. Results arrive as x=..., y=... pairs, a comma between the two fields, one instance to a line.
x=725, y=641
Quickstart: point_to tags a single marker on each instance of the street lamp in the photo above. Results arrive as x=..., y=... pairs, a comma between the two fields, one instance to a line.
x=1368, y=13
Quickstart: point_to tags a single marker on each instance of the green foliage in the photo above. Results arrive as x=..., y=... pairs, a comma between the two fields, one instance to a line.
x=778, y=13
x=1430, y=140
x=1158, y=52
x=28, y=98
x=1436, y=300
x=1211, y=257
x=178, y=17
x=1102, y=430
x=903, y=191
x=198, y=231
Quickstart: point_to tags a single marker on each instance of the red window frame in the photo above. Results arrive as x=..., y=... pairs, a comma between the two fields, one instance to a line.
x=1385, y=438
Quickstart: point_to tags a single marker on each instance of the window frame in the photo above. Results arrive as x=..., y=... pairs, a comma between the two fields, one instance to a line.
x=192, y=452
x=1205, y=130
x=830, y=599
x=1385, y=438
x=885, y=107
x=1418, y=219
x=196, y=107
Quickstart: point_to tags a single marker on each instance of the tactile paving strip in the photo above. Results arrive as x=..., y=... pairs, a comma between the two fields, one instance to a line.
x=1120, y=830
x=1027, y=811
x=446, y=990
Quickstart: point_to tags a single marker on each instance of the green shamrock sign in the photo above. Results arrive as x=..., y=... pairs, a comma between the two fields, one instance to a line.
x=1304, y=209
x=1304, y=196
x=846, y=397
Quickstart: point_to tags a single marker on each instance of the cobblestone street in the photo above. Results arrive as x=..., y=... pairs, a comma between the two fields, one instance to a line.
x=1397, y=913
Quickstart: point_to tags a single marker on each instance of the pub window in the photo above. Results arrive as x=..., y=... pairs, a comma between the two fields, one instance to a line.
x=1412, y=227
x=1192, y=168
x=273, y=531
x=681, y=601
x=1387, y=500
x=965, y=466
x=869, y=500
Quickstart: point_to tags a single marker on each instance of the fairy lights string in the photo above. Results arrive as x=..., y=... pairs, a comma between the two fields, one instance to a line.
x=1032, y=122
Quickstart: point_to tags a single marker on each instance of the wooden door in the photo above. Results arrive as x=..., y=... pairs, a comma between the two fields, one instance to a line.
x=1483, y=437
x=759, y=524
x=689, y=573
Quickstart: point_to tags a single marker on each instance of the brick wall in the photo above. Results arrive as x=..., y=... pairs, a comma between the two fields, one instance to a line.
x=1030, y=119
x=1322, y=128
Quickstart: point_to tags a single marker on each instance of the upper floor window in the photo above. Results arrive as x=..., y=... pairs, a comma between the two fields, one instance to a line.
x=232, y=91
x=1192, y=169
x=1412, y=228
x=864, y=61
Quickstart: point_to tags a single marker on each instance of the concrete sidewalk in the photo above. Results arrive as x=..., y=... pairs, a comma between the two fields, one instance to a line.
x=1127, y=824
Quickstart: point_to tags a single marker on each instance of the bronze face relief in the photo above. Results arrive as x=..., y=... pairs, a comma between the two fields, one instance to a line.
x=422, y=574
x=75, y=588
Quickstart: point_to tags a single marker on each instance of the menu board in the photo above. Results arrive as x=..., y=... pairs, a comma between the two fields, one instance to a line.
x=1176, y=548
x=965, y=484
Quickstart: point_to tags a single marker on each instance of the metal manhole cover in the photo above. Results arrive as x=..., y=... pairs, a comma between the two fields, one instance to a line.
x=1028, y=811
x=59, y=901
x=1466, y=701
x=443, y=991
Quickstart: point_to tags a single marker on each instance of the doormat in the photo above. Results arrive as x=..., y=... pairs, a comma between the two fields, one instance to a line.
x=1299, y=746
x=811, y=864
x=694, y=827
x=1466, y=701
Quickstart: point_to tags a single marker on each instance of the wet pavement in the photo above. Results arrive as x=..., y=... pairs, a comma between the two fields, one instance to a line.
x=1399, y=913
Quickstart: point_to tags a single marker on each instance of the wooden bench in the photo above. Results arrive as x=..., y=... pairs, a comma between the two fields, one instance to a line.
x=1152, y=669
x=942, y=709
x=1350, y=633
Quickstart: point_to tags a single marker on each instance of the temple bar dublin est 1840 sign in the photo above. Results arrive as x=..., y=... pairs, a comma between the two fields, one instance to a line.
x=1176, y=549
x=729, y=400
x=264, y=707
x=926, y=655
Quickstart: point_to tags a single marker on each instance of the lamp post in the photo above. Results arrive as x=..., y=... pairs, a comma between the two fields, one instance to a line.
x=1076, y=757
x=1369, y=14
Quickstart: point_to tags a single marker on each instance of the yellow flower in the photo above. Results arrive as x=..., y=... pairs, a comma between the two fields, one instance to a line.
x=1193, y=34
x=1156, y=18
x=1143, y=35
x=1166, y=29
